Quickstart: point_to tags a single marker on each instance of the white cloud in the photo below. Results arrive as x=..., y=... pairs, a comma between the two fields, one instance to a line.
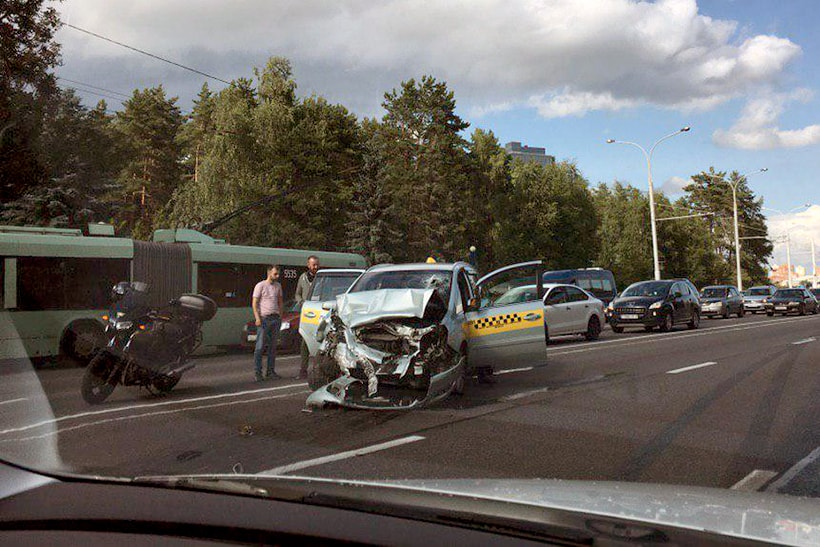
x=675, y=185
x=757, y=127
x=801, y=226
x=561, y=57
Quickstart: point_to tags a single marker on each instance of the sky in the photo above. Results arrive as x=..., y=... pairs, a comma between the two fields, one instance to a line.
x=562, y=74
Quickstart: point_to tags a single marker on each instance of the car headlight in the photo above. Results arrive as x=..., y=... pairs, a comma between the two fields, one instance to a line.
x=285, y=325
x=656, y=305
x=794, y=303
x=124, y=325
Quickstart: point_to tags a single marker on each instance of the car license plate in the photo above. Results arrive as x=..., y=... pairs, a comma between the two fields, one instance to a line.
x=251, y=338
x=630, y=316
x=780, y=308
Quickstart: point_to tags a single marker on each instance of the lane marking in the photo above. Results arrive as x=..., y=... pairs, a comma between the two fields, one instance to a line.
x=340, y=456
x=692, y=367
x=21, y=399
x=793, y=471
x=150, y=415
x=804, y=341
x=521, y=395
x=659, y=337
x=754, y=481
x=512, y=370
x=150, y=405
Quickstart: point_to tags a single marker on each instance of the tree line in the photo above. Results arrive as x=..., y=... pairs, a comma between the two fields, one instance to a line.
x=416, y=182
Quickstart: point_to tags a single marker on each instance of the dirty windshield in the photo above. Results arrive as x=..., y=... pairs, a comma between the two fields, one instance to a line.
x=358, y=241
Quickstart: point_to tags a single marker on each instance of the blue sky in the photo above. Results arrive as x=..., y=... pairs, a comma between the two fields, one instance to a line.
x=562, y=74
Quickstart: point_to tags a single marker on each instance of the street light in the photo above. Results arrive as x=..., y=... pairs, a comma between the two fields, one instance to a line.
x=648, y=156
x=734, y=206
x=788, y=237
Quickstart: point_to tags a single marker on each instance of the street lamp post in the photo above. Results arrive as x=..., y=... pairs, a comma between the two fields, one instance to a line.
x=734, y=207
x=648, y=156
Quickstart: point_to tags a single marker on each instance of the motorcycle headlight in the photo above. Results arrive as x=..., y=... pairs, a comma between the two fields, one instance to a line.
x=656, y=305
x=124, y=325
x=285, y=325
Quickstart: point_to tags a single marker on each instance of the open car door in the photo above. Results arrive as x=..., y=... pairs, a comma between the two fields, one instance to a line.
x=508, y=327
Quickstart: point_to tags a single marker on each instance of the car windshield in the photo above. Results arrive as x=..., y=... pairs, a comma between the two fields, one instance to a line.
x=328, y=287
x=406, y=279
x=248, y=160
x=650, y=288
x=788, y=293
x=763, y=291
x=714, y=292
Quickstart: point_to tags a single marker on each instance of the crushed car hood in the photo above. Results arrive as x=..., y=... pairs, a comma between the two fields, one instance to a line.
x=361, y=308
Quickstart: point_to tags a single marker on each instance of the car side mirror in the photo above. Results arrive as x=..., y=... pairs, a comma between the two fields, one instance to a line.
x=473, y=304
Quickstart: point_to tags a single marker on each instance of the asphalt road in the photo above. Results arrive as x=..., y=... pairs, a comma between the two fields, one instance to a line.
x=733, y=404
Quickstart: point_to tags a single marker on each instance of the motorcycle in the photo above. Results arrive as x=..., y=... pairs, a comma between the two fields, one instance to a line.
x=148, y=349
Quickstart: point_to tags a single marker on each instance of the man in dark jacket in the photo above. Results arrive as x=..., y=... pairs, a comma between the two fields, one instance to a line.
x=303, y=287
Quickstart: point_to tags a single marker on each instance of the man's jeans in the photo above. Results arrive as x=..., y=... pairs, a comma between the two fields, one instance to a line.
x=266, y=335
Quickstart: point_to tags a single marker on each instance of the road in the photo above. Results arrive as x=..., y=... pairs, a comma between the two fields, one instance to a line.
x=732, y=404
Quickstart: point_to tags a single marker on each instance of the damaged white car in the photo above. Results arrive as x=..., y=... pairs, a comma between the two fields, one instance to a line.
x=407, y=335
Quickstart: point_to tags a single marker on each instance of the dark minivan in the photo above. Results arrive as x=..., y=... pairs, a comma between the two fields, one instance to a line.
x=650, y=304
x=599, y=282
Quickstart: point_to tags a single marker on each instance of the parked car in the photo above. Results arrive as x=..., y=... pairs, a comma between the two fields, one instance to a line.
x=815, y=292
x=753, y=301
x=288, y=339
x=656, y=304
x=571, y=310
x=785, y=301
x=327, y=285
x=596, y=281
x=721, y=300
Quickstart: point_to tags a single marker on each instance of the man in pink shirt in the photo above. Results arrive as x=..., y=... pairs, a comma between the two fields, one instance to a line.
x=267, y=309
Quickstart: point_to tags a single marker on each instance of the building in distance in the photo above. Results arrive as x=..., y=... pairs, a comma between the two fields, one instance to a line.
x=529, y=153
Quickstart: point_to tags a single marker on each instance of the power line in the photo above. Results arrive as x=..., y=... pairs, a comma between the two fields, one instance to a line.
x=113, y=98
x=143, y=52
x=125, y=95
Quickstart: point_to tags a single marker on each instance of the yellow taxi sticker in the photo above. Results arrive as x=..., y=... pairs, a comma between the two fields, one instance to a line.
x=505, y=322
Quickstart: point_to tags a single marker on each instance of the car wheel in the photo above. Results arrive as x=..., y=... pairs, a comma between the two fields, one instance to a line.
x=81, y=340
x=695, y=322
x=648, y=329
x=726, y=312
x=593, y=328
x=814, y=311
x=617, y=329
x=668, y=323
x=742, y=312
x=802, y=309
x=770, y=313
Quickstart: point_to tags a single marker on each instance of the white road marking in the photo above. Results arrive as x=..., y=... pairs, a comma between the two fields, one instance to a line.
x=692, y=367
x=340, y=456
x=150, y=415
x=754, y=481
x=21, y=399
x=521, y=395
x=804, y=341
x=662, y=337
x=511, y=370
x=150, y=405
x=793, y=471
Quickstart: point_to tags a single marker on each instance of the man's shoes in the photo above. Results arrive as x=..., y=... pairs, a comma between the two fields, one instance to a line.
x=259, y=379
x=486, y=378
x=272, y=376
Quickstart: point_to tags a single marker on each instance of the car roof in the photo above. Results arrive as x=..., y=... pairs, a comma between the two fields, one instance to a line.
x=718, y=287
x=420, y=266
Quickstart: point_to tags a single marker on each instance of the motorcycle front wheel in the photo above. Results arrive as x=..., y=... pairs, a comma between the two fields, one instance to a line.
x=96, y=386
x=164, y=384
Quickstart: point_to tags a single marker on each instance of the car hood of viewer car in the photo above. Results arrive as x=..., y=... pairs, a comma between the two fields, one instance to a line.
x=763, y=516
x=361, y=308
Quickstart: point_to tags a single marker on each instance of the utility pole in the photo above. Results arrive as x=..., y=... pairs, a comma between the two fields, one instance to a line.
x=813, y=265
x=789, y=256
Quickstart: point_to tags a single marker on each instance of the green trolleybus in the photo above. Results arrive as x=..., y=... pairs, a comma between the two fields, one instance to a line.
x=55, y=284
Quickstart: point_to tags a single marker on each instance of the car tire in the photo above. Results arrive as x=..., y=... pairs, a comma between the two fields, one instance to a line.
x=742, y=312
x=770, y=314
x=668, y=323
x=81, y=339
x=593, y=328
x=648, y=329
x=695, y=322
x=814, y=311
x=802, y=309
x=726, y=312
x=616, y=329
